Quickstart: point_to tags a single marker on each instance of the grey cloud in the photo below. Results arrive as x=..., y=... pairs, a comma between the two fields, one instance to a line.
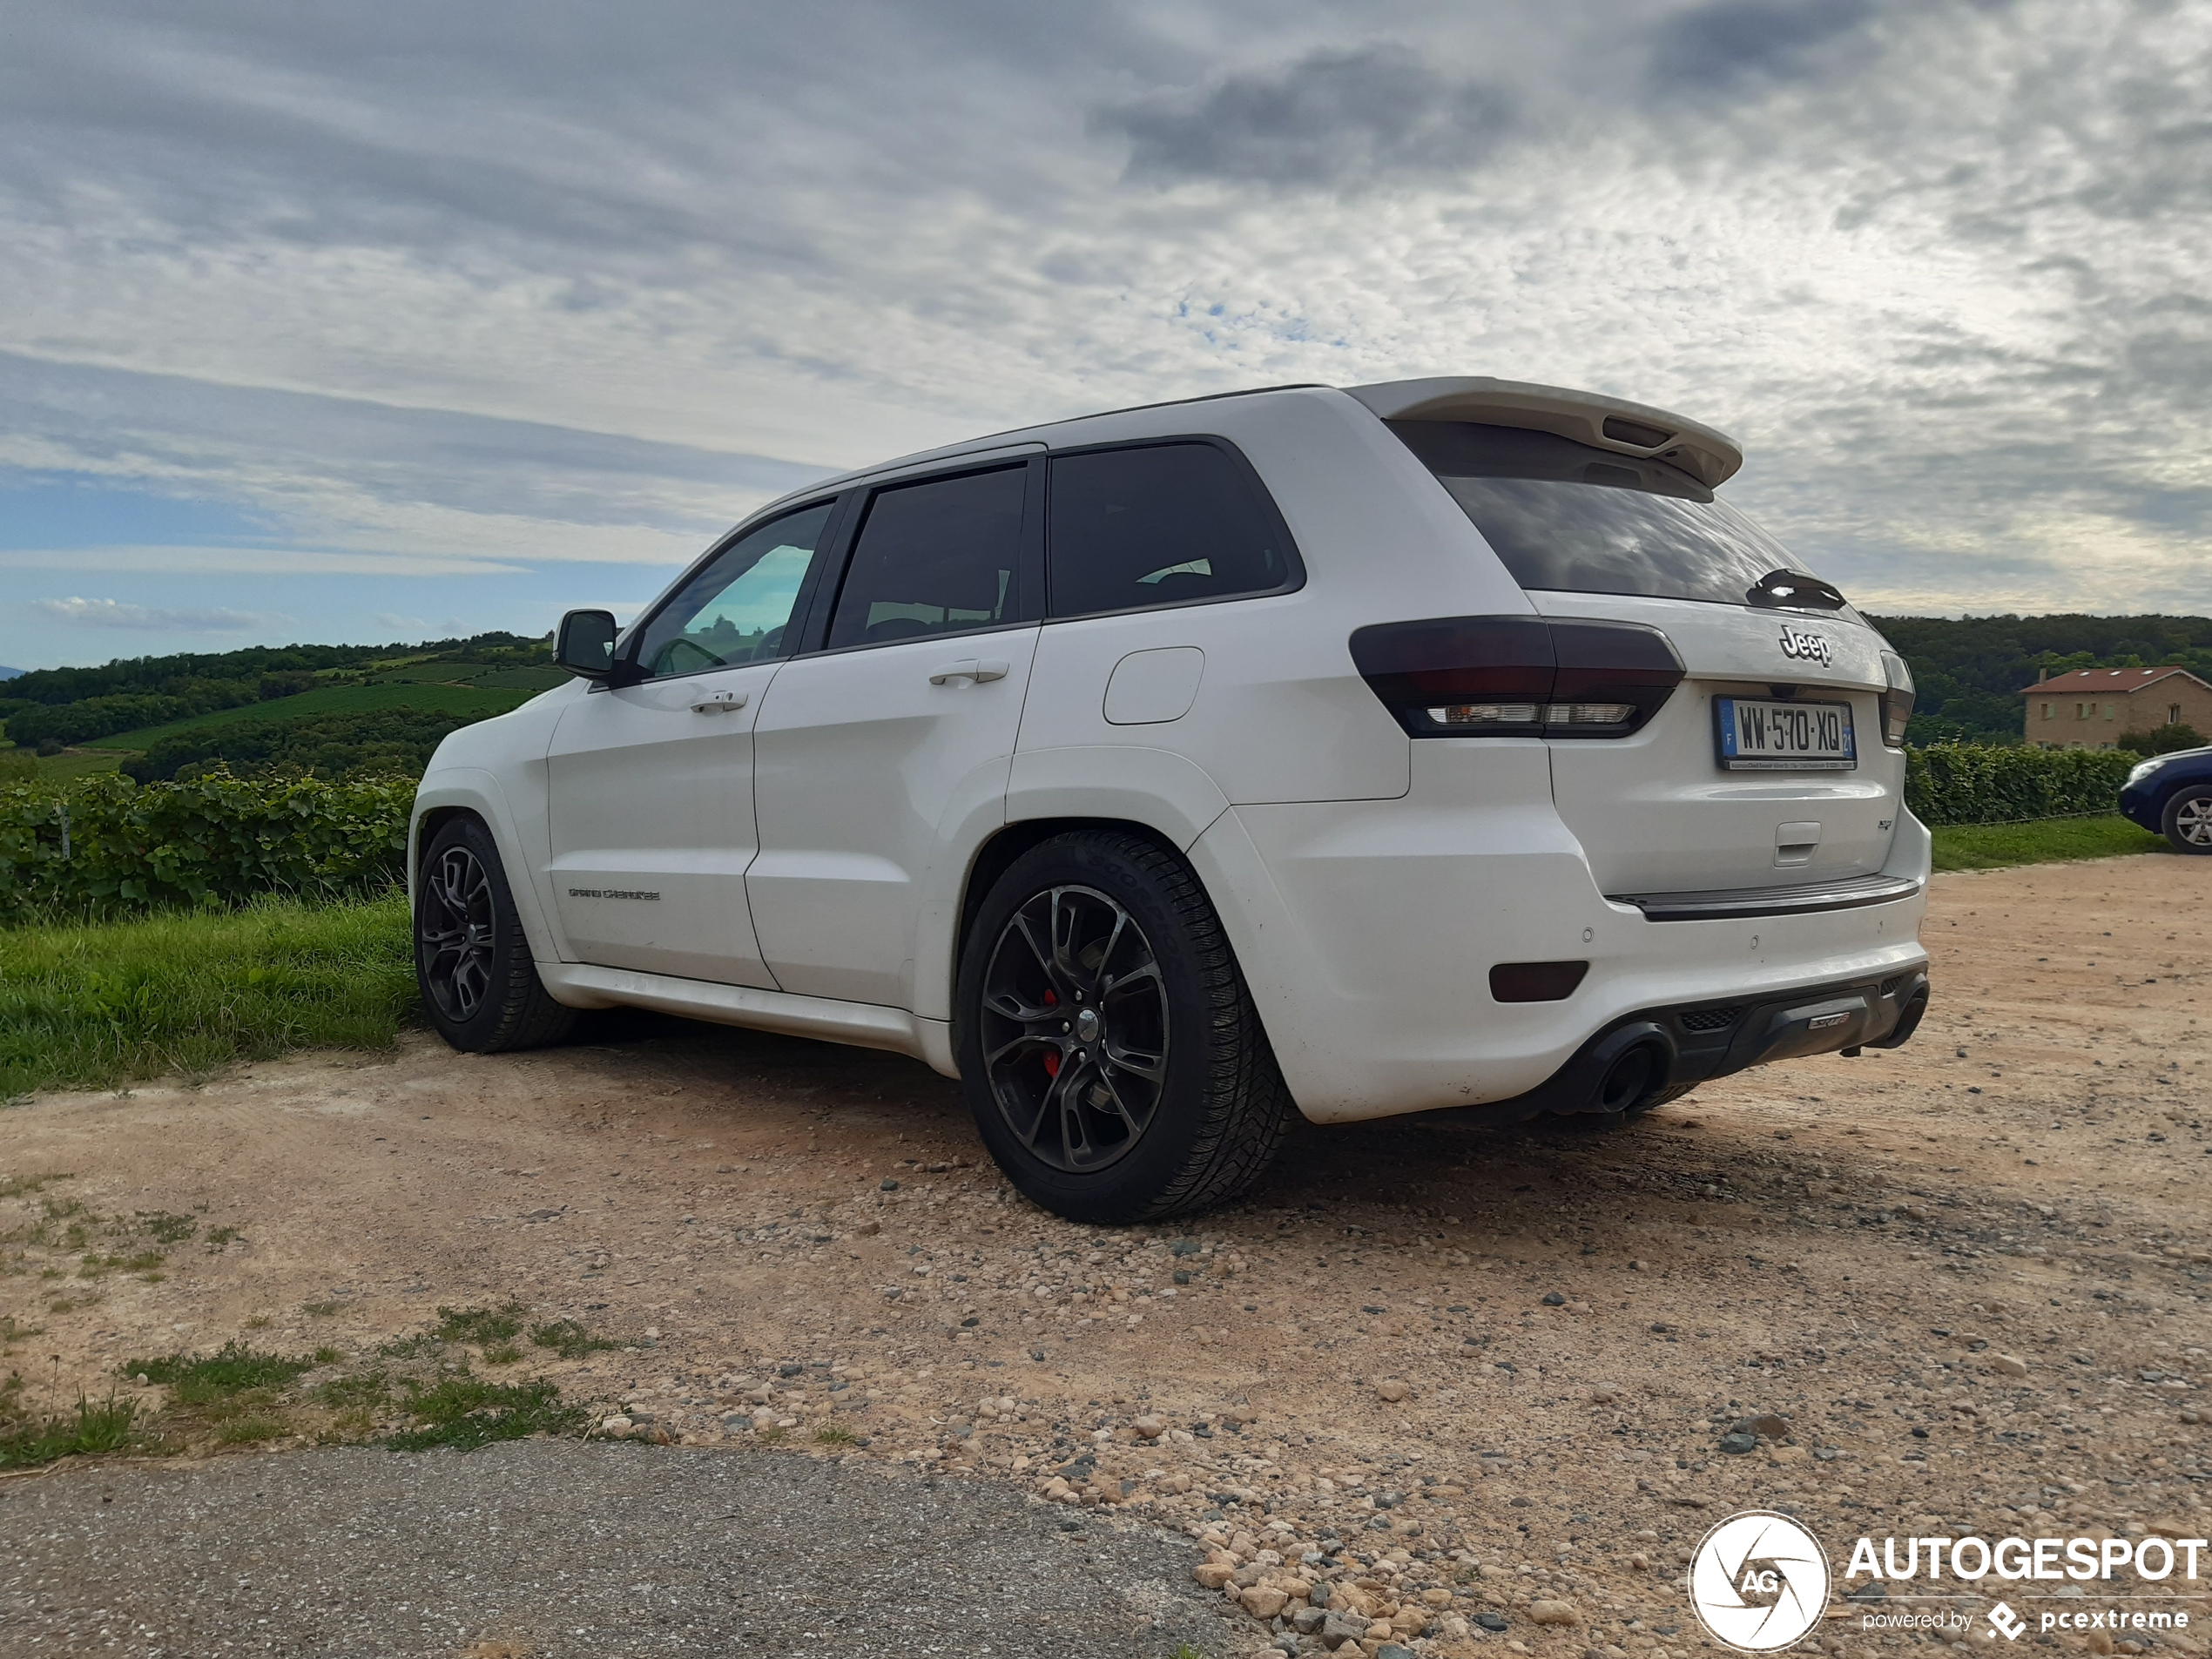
x=1333, y=117
x=196, y=437
x=1716, y=45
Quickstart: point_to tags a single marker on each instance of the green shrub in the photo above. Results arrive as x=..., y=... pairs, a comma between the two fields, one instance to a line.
x=2162, y=739
x=218, y=839
x=1973, y=782
x=19, y=766
x=394, y=742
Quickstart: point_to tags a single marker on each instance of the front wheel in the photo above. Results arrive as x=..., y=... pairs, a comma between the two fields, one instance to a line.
x=472, y=960
x=2188, y=819
x=1107, y=1046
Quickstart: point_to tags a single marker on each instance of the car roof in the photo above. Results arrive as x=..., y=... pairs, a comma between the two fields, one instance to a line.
x=1589, y=418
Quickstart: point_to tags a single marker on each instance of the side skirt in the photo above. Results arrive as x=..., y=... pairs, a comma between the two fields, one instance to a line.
x=863, y=1025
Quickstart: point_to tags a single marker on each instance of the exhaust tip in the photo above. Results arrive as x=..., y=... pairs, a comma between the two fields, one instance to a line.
x=1635, y=1073
x=1908, y=1021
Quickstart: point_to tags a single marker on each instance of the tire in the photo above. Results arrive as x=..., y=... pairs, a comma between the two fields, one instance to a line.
x=2188, y=819
x=472, y=962
x=1159, y=1095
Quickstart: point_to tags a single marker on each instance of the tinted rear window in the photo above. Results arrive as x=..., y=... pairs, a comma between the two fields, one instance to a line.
x=1568, y=517
x=933, y=557
x=1170, y=524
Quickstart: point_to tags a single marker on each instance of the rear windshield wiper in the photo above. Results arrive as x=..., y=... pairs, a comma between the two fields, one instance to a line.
x=1793, y=591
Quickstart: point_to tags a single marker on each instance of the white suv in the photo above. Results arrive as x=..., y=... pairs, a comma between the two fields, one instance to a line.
x=1443, y=744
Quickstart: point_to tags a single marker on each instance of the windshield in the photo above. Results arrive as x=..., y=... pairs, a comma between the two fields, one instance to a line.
x=1567, y=517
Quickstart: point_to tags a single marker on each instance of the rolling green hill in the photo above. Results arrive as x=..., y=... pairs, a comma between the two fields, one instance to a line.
x=335, y=700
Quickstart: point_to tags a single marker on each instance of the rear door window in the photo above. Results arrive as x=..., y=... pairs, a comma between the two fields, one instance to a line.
x=1566, y=518
x=941, y=557
x=1159, y=524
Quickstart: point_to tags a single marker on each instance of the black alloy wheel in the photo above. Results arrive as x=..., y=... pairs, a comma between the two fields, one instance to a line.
x=454, y=932
x=1075, y=1028
x=472, y=959
x=1107, y=1044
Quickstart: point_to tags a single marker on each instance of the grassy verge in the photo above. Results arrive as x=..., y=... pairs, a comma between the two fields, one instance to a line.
x=1993, y=846
x=98, y=1005
x=411, y=1395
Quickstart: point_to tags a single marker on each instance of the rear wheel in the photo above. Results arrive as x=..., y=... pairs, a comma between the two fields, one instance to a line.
x=472, y=960
x=2188, y=819
x=1107, y=1046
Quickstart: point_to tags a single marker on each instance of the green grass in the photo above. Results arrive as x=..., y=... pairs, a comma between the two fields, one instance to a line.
x=56, y=769
x=93, y=1428
x=464, y=1412
x=233, y=1369
x=1994, y=846
x=487, y=1327
x=334, y=699
x=571, y=1340
x=98, y=1005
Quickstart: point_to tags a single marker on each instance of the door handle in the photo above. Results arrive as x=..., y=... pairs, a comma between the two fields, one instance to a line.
x=721, y=702
x=969, y=669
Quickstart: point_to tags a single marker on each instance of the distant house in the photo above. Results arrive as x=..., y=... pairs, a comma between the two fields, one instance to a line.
x=2093, y=708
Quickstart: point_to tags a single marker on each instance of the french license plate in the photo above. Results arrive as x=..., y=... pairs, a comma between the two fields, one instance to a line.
x=1758, y=734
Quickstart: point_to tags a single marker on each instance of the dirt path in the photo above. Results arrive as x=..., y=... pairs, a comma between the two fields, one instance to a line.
x=1971, y=1275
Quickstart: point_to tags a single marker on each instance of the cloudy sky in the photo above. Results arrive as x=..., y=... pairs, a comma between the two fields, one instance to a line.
x=370, y=322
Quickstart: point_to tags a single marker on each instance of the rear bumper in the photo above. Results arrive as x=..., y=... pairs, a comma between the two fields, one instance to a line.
x=1367, y=932
x=1709, y=1040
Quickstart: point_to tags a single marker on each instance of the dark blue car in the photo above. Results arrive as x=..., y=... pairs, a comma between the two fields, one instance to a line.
x=2172, y=794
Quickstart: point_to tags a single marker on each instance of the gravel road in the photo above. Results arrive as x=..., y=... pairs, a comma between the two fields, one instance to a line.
x=547, y=1548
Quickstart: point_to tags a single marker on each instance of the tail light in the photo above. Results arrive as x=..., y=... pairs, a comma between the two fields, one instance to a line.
x=1896, y=699
x=1517, y=676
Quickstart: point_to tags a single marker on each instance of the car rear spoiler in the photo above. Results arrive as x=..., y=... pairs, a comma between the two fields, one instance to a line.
x=1602, y=422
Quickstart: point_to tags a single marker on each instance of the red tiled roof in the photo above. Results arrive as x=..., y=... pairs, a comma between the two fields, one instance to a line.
x=2105, y=680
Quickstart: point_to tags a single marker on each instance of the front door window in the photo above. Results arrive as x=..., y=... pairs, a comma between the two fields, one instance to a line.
x=737, y=608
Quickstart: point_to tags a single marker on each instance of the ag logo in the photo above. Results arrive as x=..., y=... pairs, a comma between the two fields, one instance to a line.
x=1809, y=648
x=1758, y=1582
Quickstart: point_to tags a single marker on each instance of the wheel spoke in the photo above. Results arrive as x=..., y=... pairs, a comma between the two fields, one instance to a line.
x=1065, y=914
x=1151, y=1066
x=1022, y=929
x=1027, y=1039
x=1135, y=1124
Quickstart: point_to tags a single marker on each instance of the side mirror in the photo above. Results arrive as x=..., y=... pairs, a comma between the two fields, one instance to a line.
x=585, y=644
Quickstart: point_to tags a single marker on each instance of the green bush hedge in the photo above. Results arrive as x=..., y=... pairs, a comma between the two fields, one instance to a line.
x=1974, y=783
x=218, y=839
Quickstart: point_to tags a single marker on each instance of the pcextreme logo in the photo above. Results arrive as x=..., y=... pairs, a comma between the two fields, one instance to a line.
x=1759, y=1581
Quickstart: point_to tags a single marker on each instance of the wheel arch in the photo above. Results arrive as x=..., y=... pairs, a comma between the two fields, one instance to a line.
x=471, y=793
x=999, y=852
